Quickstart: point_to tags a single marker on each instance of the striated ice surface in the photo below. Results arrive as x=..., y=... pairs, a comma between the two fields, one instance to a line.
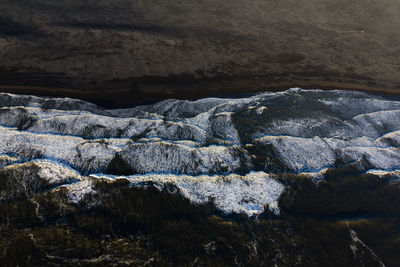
x=226, y=150
x=394, y=173
x=77, y=191
x=248, y=194
x=233, y=193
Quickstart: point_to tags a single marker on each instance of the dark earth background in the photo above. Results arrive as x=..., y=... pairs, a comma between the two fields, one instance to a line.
x=122, y=53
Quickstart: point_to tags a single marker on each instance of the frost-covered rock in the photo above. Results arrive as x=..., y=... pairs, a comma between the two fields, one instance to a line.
x=302, y=132
x=34, y=177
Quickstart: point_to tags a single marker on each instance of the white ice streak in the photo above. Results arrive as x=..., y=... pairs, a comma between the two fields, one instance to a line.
x=89, y=141
x=77, y=191
x=248, y=194
x=6, y=160
x=77, y=186
x=394, y=173
x=95, y=155
x=40, y=176
x=75, y=151
x=313, y=154
x=55, y=173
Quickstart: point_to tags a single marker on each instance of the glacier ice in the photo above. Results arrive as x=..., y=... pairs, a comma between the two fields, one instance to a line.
x=227, y=150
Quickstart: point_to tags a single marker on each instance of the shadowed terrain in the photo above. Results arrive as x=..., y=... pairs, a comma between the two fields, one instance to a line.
x=119, y=53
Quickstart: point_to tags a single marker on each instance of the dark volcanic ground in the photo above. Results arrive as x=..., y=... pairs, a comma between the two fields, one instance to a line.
x=119, y=53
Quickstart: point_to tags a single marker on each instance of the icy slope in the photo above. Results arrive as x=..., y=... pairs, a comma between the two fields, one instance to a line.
x=248, y=194
x=192, y=144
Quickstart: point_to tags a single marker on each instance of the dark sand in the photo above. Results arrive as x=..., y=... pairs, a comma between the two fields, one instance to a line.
x=122, y=53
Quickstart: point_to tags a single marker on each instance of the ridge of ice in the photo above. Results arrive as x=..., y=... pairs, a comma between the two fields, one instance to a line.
x=232, y=193
x=304, y=131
